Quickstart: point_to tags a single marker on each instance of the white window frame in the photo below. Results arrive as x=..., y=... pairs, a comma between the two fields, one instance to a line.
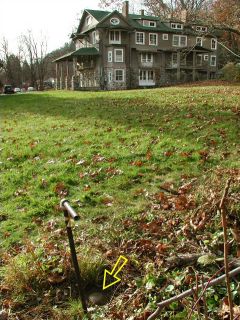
x=214, y=44
x=148, y=23
x=110, y=77
x=115, y=41
x=153, y=24
x=177, y=26
x=205, y=57
x=165, y=36
x=145, y=56
x=94, y=37
x=174, y=60
x=147, y=77
x=201, y=28
x=156, y=37
x=137, y=33
x=179, y=40
x=114, y=21
x=211, y=61
x=115, y=55
x=200, y=42
x=110, y=56
x=115, y=75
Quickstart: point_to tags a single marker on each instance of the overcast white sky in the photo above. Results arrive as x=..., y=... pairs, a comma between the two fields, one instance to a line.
x=54, y=18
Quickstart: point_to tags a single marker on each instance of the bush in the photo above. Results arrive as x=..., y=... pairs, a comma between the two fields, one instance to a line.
x=231, y=72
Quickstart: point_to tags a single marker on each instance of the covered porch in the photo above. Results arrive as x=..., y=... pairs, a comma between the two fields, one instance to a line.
x=78, y=70
x=193, y=61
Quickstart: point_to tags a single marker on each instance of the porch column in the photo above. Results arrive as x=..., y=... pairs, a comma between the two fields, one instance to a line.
x=194, y=66
x=61, y=76
x=178, y=66
x=73, y=86
x=208, y=71
x=56, y=79
x=67, y=76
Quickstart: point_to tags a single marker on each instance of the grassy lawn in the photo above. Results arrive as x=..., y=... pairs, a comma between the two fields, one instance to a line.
x=123, y=160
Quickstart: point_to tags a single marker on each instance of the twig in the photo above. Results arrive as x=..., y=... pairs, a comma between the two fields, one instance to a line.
x=204, y=290
x=189, y=292
x=222, y=208
x=196, y=295
x=204, y=301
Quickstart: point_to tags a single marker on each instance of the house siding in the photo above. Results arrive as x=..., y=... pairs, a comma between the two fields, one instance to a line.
x=98, y=73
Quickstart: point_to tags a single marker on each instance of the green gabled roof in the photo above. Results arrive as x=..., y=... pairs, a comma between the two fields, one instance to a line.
x=139, y=17
x=133, y=19
x=159, y=27
x=91, y=51
x=98, y=14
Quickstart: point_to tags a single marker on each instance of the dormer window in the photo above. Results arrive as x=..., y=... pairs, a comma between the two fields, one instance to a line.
x=148, y=23
x=177, y=26
x=89, y=20
x=152, y=24
x=201, y=29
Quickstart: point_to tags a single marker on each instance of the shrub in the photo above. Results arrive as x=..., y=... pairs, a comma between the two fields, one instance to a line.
x=231, y=72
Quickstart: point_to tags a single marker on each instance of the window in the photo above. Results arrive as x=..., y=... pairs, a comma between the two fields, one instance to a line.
x=149, y=23
x=205, y=57
x=179, y=41
x=118, y=55
x=174, y=60
x=147, y=57
x=140, y=37
x=178, y=26
x=152, y=24
x=153, y=39
x=199, y=41
x=213, y=44
x=201, y=29
x=165, y=36
x=89, y=20
x=115, y=36
x=199, y=59
x=109, y=56
x=94, y=38
x=119, y=75
x=213, y=61
x=109, y=76
x=146, y=75
x=114, y=21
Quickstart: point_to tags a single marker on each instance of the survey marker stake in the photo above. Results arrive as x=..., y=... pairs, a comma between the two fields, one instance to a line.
x=110, y=278
x=69, y=213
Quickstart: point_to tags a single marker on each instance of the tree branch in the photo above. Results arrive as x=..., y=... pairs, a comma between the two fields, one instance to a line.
x=190, y=292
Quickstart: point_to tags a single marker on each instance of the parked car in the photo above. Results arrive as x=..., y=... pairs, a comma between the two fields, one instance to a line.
x=8, y=89
x=17, y=90
x=31, y=89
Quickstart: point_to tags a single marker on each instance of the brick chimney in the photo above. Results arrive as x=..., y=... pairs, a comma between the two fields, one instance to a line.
x=184, y=16
x=125, y=9
x=141, y=12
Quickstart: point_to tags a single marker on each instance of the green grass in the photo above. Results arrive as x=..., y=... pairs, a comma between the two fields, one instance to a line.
x=104, y=151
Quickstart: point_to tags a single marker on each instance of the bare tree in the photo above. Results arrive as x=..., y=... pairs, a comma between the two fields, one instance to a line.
x=166, y=8
x=36, y=57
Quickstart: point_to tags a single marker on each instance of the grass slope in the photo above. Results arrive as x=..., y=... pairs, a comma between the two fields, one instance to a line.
x=108, y=153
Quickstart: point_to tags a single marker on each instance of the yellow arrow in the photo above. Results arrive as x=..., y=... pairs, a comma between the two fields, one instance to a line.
x=113, y=274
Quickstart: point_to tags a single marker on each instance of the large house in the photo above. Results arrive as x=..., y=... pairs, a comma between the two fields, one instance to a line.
x=121, y=51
